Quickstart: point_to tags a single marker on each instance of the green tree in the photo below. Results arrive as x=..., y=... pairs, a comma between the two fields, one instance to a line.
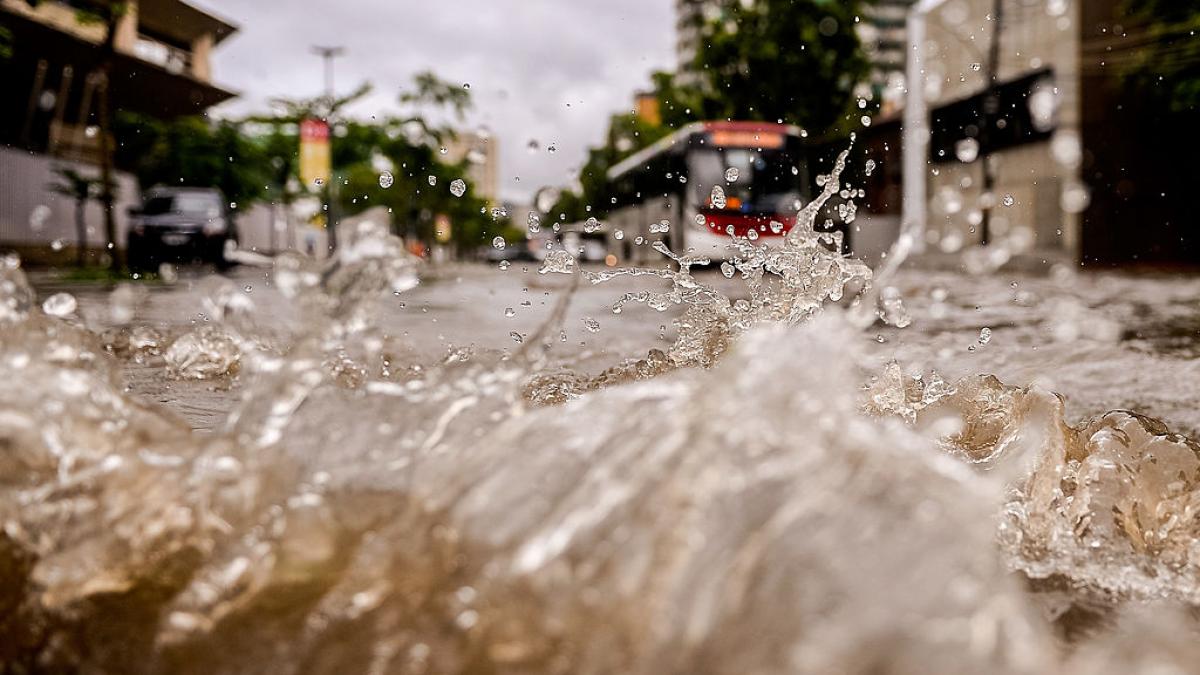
x=194, y=151
x=792, y=60
x=1161, y=55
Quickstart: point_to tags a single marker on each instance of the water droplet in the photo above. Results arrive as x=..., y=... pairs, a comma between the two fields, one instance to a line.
x=57, y=245
x=504, y=264
x=38, y=217
x=59, y=304
x=619, y=234
x=1075, y=197
x=731, y=174
x=442, y=150
x=966, y=150
x=552, y=149
x=870, y=166
x=717, y=197
x=727, y=269
x=509, y=312
x=752, y=235
x=776, y=226
x=535, y=222
x=975, y=67
x=458, y=187
x=386, y=179
x=985, y=335
x=318, y=182
x=432, y=180
x=498, y=243
x=592, y=325
x=591, y=225
x=700, y=219
x=1008, y=200
x=516, y=337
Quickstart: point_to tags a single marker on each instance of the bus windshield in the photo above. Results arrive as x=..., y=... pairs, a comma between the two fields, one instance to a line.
x=767, y=181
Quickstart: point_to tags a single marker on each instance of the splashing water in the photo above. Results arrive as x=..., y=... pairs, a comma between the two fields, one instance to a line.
x=753, y=514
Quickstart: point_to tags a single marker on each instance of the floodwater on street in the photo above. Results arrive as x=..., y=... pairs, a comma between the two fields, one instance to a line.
x=1103, y=340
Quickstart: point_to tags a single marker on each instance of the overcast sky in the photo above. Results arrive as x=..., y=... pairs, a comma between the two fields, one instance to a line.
x=544, y=70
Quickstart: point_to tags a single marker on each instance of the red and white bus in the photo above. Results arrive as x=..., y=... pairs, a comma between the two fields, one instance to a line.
x=763, y=172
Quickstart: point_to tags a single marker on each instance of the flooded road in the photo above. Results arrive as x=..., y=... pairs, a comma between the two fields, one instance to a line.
x=371, y=465
x=1102, y=340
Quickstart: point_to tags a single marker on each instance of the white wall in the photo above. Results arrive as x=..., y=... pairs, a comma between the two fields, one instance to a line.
x=24, y=186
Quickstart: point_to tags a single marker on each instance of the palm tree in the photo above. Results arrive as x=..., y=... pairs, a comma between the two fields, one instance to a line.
x=80, y=188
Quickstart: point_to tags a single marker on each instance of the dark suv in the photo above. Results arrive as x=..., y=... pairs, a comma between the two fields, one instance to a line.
x=180, y=225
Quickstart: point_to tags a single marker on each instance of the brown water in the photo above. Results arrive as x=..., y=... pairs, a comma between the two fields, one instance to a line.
x=753, y=498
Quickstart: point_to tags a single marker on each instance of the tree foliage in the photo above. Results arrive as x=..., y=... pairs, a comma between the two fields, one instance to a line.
x=193, y=151
x=792, y=60
x=257, y=158
x=1162, y=55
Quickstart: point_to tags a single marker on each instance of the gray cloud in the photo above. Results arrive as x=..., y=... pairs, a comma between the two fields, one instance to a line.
x=546, y=70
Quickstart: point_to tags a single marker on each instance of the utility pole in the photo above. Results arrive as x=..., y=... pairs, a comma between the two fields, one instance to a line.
x=328, y=54
x=990, y=108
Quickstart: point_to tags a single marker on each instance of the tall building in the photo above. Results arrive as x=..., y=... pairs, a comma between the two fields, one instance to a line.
x=884, y=40
x=689, y=16
x=478, y=149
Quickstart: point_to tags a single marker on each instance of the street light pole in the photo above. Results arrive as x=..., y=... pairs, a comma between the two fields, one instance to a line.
x=328, y=54
x=990, y=106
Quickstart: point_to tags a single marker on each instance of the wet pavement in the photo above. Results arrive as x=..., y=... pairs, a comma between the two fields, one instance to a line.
x=1104, y=341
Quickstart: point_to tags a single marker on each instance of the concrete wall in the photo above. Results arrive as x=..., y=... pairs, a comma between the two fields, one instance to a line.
x=24, y=187
x=1033, y=36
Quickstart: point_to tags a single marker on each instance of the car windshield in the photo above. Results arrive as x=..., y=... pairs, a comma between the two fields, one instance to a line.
x=199, y=204
x=753, y=181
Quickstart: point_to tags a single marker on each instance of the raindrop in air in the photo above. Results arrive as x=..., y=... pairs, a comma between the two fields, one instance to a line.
x=38, y=217
x=717, y=197
x=967, y=150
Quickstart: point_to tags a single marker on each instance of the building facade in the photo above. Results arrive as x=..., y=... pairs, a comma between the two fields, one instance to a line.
x=1080, y=160
x=49, y=114
x=478, y=149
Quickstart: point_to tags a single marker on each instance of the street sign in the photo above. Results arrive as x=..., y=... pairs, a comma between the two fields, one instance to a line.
x=441, y=228
x=315, y=160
